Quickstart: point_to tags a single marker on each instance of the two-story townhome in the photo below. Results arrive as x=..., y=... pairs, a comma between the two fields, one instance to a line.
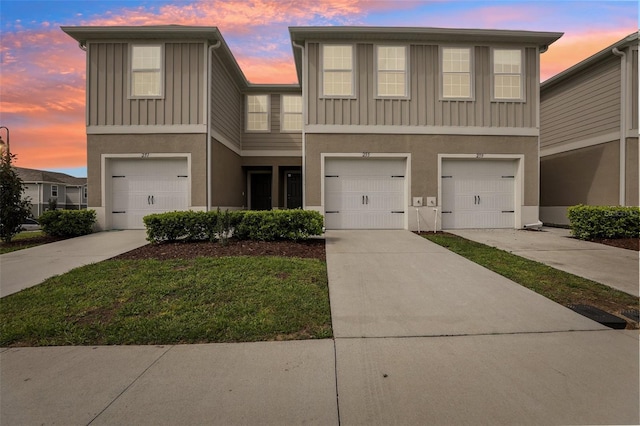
x=420, y=124
x=388, y=127
x=589, y=133
x=42, y=186
x=173, y=124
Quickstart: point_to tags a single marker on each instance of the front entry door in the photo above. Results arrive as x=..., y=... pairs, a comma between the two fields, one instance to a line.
x=294, y=190
x=260, y=187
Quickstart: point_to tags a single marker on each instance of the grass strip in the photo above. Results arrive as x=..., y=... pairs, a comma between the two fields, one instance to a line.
x=230, y=299
x=559, y=286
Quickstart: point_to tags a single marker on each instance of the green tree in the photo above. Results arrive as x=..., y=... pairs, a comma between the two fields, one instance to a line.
x=13, y=209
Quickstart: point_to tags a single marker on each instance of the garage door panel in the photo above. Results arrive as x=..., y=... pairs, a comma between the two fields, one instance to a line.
x=364, y=193
x=143, y=187
x=478, y=193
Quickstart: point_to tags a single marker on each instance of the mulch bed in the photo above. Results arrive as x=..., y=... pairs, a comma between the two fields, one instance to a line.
x=45, y=239
x=625, y=243
x=312, y=248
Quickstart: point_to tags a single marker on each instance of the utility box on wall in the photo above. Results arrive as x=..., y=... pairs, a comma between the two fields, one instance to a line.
x=417, y=201
x=431, y=201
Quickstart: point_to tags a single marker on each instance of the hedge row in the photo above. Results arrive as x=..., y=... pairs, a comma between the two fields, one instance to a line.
x=591, y=222
x=67, y=223
x=241, y=224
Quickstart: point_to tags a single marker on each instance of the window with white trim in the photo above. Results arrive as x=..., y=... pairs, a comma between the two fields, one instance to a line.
x=456, y=72
x=54, y=190
x=391, y=71
x=84, y=192
x=337, y=70
x=291, y=113
x=507, y=74
x=146, y=71
x=257, y=113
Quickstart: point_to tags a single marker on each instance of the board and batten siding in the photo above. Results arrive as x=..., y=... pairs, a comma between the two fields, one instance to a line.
x=274, y=140
x=583, y=107
x=226, y=103
x=424, y=106
x=109, y=101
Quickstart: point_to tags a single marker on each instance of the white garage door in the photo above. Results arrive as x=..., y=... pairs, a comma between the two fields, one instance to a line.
x=142, y=187
x=364, y=193
x=478, y=194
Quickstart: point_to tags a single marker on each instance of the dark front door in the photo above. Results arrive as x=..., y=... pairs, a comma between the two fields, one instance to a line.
x=294, y=190
x=260, y=191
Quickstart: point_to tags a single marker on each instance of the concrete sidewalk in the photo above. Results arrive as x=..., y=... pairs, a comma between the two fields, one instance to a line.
x=612, y=266
x=25, y=268
x=422, y=336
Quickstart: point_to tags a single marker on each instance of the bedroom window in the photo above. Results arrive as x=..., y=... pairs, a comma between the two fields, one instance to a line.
x=146, y=71
x=257, y=113
x=54, y=190
x=291, y=113
x=507, y=74
x=391, y=71
x=337, y=70
x=456, y=73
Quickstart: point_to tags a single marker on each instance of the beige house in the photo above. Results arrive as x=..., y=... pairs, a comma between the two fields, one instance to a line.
x=388, y=127
x=589, y=133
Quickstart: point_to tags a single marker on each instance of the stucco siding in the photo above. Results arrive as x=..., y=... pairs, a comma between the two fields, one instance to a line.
x=274, y=139
x=226, y=104
x=424, y=150
x=583, y=176
x=632, y=177
x=228, y=181
x=109, y=100
x=586, y=106
x=424, y=106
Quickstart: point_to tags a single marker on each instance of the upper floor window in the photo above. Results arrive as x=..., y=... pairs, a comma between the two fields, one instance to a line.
x=84, y=192
x=257, y=113
x=391, y=71
x=337, y=70
x=146, y=70
x=291, y=113
x=456, y=73
x=507, y=74
x=54, y=190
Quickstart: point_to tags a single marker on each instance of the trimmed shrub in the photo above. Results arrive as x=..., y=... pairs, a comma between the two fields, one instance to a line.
x=244, y=225
x=590, y=222
x=67, y=223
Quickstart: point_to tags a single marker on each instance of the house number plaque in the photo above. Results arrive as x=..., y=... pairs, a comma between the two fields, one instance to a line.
x=145, y=155
x=366, y=154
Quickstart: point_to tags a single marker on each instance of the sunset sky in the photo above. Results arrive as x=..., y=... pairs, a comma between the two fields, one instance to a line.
x=42, y=70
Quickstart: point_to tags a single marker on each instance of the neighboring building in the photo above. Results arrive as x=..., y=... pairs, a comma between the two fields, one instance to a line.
x=589, y=133
x=40, y=186
x=387, y=124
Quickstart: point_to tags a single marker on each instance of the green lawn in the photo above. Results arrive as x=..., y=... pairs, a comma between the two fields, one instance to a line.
x=20, y=241
x=559, y=286
x=227, y=299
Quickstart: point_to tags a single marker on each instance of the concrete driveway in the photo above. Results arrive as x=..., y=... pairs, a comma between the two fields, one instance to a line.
x=615, y=267
x=25, y=268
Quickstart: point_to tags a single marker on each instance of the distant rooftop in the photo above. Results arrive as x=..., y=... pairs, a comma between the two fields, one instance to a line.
x=34, y=175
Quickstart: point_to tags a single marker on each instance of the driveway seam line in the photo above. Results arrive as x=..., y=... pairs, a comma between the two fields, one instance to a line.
x=472, y=335
x=130, y=384
x=335, y=372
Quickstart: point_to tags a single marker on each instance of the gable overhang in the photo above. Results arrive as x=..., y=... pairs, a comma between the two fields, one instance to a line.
x=211, y=36
x=301, y=35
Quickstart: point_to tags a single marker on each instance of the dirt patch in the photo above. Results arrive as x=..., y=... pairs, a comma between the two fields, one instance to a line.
x=313, y=248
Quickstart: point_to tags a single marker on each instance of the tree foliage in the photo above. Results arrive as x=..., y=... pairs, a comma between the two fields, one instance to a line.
x=13, y=208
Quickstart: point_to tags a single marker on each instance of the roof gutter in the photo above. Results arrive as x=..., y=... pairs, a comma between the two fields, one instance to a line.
x=208, y=118
x=303, y=85
x=623, y=124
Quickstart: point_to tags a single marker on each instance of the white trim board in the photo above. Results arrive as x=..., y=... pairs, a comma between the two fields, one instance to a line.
x=584, y=143
x=147, y=129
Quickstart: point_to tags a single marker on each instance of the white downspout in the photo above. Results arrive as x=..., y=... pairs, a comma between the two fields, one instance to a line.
x=623, y=125
x=304, y=123
x=208, y=112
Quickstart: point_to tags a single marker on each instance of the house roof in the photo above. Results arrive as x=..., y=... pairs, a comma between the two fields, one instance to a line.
x=34, y=175
x=416, y=34
x=575, y=69
x=211, y=35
